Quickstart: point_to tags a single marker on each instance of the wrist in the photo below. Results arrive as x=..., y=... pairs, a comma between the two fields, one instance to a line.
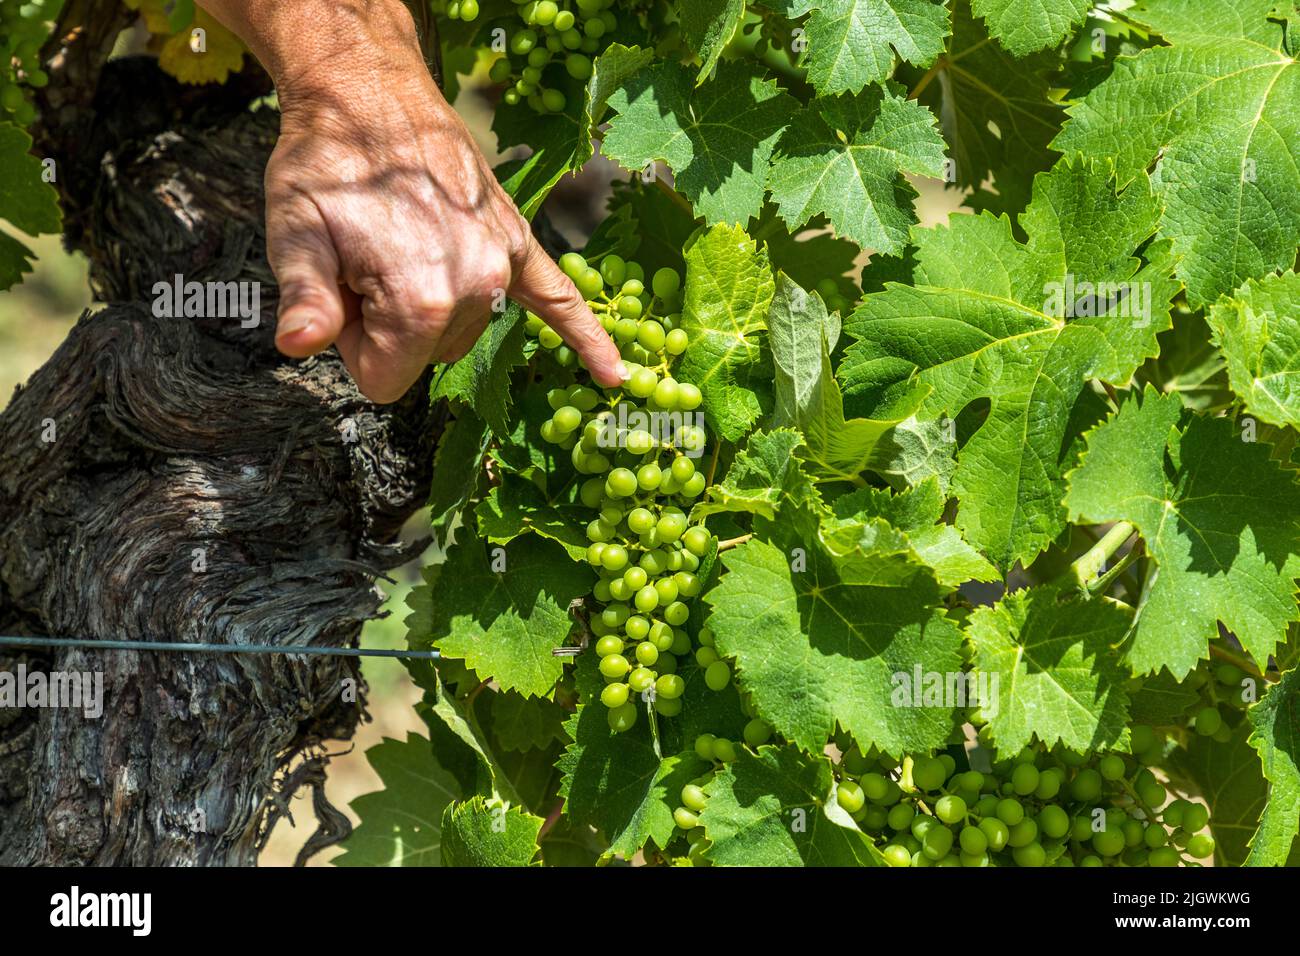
x=316, y=47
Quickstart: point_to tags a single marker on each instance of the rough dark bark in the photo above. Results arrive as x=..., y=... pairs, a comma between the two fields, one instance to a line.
x=175, y=438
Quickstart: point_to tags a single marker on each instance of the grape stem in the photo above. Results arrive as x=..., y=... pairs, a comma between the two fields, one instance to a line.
x=1247, y=665
x=1089, y=567
x=733, y=542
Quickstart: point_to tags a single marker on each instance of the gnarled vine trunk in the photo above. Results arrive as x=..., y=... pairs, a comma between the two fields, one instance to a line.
x=177, y=479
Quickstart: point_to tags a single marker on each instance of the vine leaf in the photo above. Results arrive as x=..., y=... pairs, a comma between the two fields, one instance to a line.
x=476, y=834
x=401, y=825
x=1058, y=678
x=717, y=138
x=1027, y=26
x=844, y=157
x=808, y=396
x=851, y=43
x=988, y=319
x=516, y=507
x=1276, y=738
x=1218, y=516
x=996, y=113
x=729, y=289
x=482, y=378
x=813, y=648
x=502, y=623
x=26, y=202
x=709, y=26
x=918, y=512
x=778, y=808
x=764, y=475
x=526, y=723
x=1215, y=113
x=1258, y=330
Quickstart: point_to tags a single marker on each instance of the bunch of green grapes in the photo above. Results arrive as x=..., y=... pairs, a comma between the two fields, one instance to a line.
x=556, y=35
x=23, y=29
x=637, y=447
x=1223, y=700
x=1041, y=808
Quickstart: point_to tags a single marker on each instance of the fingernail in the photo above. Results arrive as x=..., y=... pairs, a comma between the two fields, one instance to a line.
x=293, y=323
x=623, y=373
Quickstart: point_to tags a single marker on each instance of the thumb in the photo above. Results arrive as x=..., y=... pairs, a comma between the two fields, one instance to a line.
x=539, y=285
x=306, y=267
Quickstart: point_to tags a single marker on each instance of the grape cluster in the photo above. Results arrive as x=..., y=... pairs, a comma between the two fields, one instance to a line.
x=1221, y=689
x=693, y=798
x=640, y=479
x=556, y=35
x=23, y=29
x=1040, y=808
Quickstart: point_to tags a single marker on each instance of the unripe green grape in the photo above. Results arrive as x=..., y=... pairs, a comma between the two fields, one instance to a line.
x=589, y=283
x=615, y=615
x=622, y=719
x=500, y=71
x=609, y=645
x=649, y=476
x=1195, y=817
x=717, y=676
x=1108, y=842
x=674, y=557
x=1208, y=721
x=1024, y=779
x=531, y=74
x=641, y=679
x=664, y=640
x=697, y=541
x=667, y=590
x=689, y=397
x=654, y=562
x=564, y=21
x=704, y=746
x=646, y=653
x=1152, y=794
x=704, y=656
x=1049, y=783
x=688, y=585
x=639, y=441
x=553, y=44
x=1172, y=815
x=1141, y=738
x=651, y=335
x=594, y=28
x=611, y=23
x=950, y=808
x=567, y=419
x=637, y=628
x=896, y=855
x=1023, y=833
x=996, y=832
x=1162, y=857
x=634, y=577
x=1111, y=767
x=1201, y=846
x=928, y=773
x=668, y=707
x=1154, y=836
x=571, y=38
x=681, y=642
x=670, y=686
x=666, y=282
x=522, y=42
x=849, y=796
x=758, y=732
x=667, y=664
x=676, y=614
x=614, y=558
x=705, y=637
x=592, y=491
x=625, y=331
x=620, y=483
x=676, y=342
x=665, y=393
x=937, y=842
x=647, y=599
x=630, y=307
x=602, y=592
x=614, y=695
x=549, y=338
x=594, y=550
x=633, y=287
x=614, y=666
x=613, y=270
x=538, y=57
x=1086, y=786
x=1031, y=854
x=642, y=383
x=1010, y=811
x=1053, y=821
x=619, y=591
x=545, y=12
x=693, y=798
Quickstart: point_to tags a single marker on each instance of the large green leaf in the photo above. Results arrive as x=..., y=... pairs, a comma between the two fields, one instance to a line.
x=401, y=825
x=504, y=613
x=476, y=834
x=709, y=26
x=729, y=289
x=850, y=43
x=1025, y=26
x=1215, y=113
x=1220, y=518
x=1258, y=330
x=1058, y=678
x=482, y=378
x=26, y=201
x=1276, y=737
x=716, y=138
x=778, y=808
x=985, y=321
x=813, y=648
x=844, y=157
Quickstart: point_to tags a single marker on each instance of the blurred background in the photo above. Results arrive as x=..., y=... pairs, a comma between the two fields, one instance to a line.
x=36, y=316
